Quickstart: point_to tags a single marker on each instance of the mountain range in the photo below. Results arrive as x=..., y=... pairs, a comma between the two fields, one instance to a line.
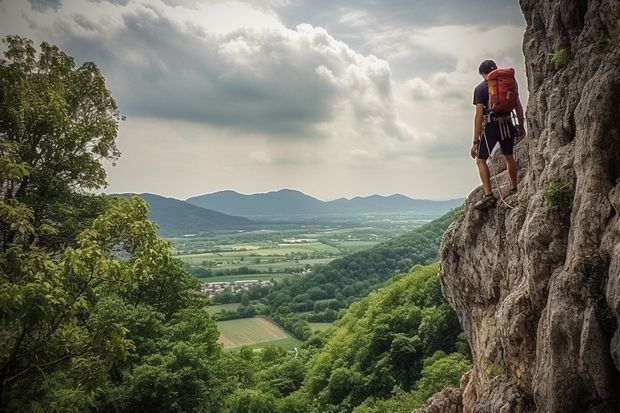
x=287, y=202
x=175, y=217
x=228, y=210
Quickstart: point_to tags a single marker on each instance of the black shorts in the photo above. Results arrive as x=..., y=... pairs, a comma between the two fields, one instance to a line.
x=492, y=135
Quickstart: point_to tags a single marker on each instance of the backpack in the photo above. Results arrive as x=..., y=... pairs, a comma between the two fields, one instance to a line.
x=503, y=93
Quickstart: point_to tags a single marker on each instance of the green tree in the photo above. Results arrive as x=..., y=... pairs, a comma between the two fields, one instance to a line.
x=245, y=299
x=57, y=123
x=53, y=316
x=94, y=312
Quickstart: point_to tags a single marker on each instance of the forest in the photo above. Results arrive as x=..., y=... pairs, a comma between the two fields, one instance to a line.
x=97, y=316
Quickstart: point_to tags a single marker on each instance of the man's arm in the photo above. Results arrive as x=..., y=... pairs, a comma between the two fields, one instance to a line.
x=478, y=120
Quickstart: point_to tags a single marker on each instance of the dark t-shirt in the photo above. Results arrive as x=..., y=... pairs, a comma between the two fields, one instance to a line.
x=481, y=94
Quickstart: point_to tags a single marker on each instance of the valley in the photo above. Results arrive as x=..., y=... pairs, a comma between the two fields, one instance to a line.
x=279, y=248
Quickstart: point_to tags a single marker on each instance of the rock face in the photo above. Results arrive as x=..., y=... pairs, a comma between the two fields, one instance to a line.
x=537, y=286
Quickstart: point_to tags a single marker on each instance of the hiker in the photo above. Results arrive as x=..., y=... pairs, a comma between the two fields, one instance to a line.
x=491, y=128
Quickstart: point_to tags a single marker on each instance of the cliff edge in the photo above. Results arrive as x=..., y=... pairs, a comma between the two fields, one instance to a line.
x=537, y=287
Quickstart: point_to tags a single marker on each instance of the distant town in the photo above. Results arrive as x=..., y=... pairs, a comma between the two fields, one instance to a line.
x=214, y=288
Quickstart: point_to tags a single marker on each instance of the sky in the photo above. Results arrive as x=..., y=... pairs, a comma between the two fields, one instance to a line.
x=332, y=98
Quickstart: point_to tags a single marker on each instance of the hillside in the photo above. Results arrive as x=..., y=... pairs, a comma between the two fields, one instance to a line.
x=175, y=217
x=537, y=286
x=319, y=295
x=387, y=343
x=288, y=202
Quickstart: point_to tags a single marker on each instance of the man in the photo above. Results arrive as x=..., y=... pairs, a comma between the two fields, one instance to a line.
x=489, y=129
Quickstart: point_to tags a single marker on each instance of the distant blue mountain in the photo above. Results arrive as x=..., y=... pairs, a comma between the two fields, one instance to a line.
x=287, y=202
x=175, y=217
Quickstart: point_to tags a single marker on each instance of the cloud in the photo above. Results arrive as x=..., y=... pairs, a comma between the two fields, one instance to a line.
x=265, y=78
x=45, y=5
x=285, y=93
x=117, y=2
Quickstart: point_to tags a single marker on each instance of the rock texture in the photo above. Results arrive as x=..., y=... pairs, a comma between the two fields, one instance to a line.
x=537, y=286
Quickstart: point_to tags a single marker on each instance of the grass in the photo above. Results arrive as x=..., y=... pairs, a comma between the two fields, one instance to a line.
x=254, y=332
x=320, y=326
x=212, y=309
x=559, y=57
x=285, y=343
x=259, y=276
x=559, y=195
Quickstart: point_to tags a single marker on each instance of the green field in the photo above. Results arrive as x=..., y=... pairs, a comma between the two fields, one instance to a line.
x=256, y=332
x=320, y=326
x=213, y=309
x=280, y=249
x=259, y=276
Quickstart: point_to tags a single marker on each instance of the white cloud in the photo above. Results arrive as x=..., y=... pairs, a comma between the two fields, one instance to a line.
x=227, y=94
x=459, y=41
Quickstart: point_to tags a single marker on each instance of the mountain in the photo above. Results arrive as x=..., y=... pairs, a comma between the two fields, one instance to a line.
x=288, y=202
x=537, y=286
x=175, y=217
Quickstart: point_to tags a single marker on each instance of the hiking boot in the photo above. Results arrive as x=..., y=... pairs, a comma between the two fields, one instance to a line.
x=486, y=202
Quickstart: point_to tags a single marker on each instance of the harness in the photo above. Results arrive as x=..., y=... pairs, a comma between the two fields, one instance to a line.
x=504, y=122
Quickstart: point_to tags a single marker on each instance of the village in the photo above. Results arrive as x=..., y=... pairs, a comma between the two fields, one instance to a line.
x=212, y=289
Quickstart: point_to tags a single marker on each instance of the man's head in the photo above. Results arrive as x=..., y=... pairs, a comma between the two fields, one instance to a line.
x=487, y=67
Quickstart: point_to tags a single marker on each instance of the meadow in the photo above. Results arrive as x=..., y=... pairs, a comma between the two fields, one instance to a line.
x=281, y=249
x=255, y=332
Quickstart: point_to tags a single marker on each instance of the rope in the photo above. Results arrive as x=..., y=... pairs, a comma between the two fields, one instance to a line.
x=493, y=174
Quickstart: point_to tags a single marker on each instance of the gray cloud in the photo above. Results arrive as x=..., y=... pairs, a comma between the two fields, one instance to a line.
x=383, y=27
x=280, y=82
x=45, y=5
x=117, y=2
x=405, y=13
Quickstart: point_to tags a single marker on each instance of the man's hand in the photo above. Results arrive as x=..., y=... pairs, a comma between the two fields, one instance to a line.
x=474, y=150
x=520, y=132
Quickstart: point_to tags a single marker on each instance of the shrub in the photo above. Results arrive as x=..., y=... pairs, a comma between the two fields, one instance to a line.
x=559, y=195
x=559, y=57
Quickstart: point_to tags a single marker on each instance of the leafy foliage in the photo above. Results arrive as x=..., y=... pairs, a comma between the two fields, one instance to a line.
x=559, y=58
x=95, y=315
x=382, y=341
x=319, y=296
x=94, y=312
x=559, y=195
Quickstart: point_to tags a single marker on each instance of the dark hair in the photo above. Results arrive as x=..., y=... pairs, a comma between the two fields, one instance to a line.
x=487, y=67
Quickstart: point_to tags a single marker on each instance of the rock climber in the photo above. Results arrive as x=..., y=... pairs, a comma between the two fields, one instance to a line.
x=489, y=129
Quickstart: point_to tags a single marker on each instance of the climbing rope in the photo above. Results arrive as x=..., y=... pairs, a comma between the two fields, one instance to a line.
x=493, y=174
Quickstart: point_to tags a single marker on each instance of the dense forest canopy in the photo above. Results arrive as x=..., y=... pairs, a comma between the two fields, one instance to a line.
x=95, y=314
x=319, y=296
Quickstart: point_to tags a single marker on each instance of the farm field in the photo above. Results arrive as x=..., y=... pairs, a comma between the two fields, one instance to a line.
x=256, y=332
x=213, y=309
x=278, y=249
x=257, y=276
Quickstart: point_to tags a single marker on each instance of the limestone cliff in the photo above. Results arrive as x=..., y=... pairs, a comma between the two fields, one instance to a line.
x=537, y=286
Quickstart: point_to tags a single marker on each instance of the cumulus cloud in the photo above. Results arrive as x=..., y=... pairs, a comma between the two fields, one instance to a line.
x=264, y=78
x=45, y=5
x=239, y=88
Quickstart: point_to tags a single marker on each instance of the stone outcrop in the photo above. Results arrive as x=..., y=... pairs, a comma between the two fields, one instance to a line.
x=537, y=286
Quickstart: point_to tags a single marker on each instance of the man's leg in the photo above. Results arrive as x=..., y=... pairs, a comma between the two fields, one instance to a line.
x=512, y=170
x=485, y=175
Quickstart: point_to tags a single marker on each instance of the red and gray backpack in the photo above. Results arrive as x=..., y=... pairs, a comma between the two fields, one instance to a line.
x=503, y=93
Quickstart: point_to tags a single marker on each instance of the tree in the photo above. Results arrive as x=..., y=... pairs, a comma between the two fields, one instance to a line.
x=85, y=283
x=245, y=299
x=53, y=318
x=57, y=123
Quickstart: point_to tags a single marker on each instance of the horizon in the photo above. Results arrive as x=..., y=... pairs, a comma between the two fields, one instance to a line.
x=288, y=189
x=336, y=99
